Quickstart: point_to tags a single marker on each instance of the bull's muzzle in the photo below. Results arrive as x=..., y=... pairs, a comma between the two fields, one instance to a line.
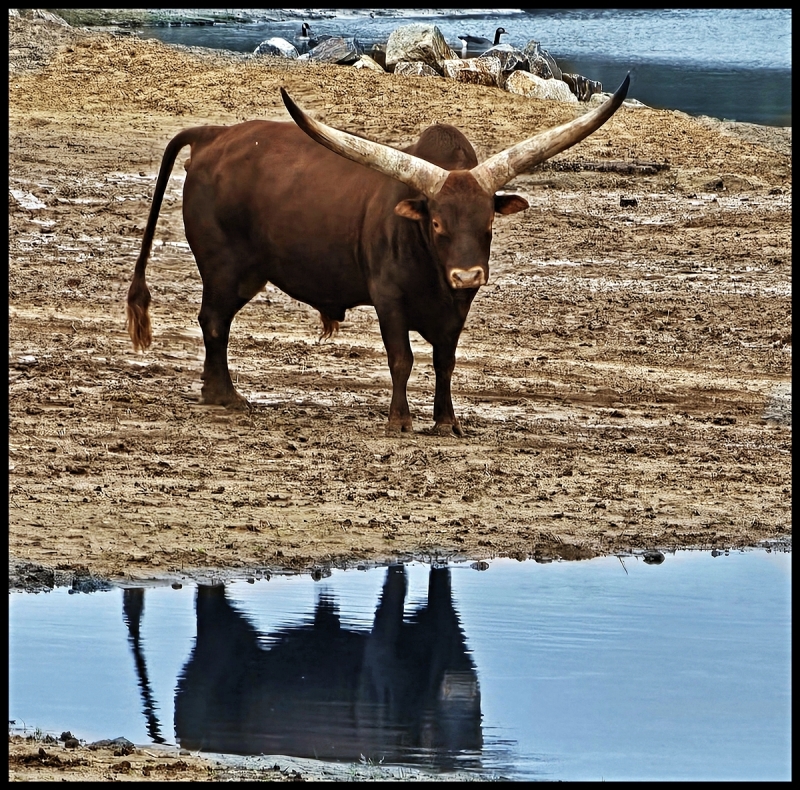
x=468, y=278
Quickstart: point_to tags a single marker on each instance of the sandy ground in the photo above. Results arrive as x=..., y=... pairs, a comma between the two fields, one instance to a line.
x=624, y=379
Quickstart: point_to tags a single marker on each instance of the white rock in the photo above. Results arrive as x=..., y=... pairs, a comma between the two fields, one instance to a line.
x=526, y=84
x=276, y=46
x=415, y=69
x=418, y=42
x=475, y=71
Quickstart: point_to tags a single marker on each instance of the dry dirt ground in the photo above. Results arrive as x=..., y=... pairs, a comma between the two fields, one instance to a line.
x=612, y=378
x=624, y=379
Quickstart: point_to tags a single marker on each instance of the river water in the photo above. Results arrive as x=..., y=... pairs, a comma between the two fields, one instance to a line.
x=727, y=63
x=649, y=667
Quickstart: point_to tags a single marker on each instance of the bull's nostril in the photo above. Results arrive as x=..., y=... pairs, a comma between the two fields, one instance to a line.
x=468, y=278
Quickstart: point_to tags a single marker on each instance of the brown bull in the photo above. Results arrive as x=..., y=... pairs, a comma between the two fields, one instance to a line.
x=336, y=221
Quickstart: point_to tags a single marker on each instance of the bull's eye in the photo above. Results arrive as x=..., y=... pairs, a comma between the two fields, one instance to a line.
x=437, y=226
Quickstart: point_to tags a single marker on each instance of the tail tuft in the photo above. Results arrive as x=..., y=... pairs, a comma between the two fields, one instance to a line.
x=138, y=322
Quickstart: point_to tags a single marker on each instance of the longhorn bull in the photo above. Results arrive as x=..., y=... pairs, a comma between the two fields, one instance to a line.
x=336, y=221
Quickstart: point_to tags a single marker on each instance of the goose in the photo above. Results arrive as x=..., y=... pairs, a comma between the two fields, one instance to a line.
x=479, y=43
x=304, y=40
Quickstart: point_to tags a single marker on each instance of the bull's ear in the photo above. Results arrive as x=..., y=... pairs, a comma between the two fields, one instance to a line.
x=509, y=204
x=411, y=209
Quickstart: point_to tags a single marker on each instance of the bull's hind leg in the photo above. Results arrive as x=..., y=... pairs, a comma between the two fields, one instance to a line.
x=216, y=315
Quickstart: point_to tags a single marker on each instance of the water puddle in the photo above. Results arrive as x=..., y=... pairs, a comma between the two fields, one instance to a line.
x=672, y=667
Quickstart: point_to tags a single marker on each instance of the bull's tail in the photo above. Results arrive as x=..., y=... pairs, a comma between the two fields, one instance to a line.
x=138, y=318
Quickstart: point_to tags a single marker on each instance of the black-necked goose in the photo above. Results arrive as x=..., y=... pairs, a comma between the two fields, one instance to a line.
x=478, y=43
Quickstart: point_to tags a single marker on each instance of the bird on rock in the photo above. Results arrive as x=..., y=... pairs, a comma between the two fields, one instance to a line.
x=480, y=44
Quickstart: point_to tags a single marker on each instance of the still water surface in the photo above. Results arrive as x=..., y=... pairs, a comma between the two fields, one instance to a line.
x=732, y=63
x=597, y=670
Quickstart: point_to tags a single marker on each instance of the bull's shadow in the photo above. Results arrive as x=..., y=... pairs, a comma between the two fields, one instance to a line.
x=405, y=692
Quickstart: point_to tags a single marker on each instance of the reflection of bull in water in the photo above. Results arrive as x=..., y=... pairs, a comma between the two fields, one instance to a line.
x=132, y=611
x=406, y=691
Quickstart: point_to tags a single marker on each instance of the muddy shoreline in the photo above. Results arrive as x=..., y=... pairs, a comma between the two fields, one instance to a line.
x=617, y=378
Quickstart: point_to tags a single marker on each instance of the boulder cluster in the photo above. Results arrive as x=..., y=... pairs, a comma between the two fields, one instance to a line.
x=421, y=50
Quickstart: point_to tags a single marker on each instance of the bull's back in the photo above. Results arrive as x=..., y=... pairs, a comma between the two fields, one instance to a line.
x=274, y=200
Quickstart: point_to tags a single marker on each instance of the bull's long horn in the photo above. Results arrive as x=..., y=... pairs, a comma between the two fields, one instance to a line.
x=417, y=173
x=501, y=168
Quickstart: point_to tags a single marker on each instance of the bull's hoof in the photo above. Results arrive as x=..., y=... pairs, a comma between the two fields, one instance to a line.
x=399, y=427
x=230, y=399
x=447, y=429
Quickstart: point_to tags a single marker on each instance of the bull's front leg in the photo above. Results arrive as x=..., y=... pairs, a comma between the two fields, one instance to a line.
x=444, y=362
x=401, y=360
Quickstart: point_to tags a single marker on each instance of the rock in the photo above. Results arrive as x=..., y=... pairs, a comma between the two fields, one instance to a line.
x=779, y=405
x=415, y=69
x=418, y=42
x=336, y=49
x=40, y=13
x=120, y=745
x=540, y=61
x=596, y=99
x=475, y=71
x=582, y=87
x=30, y=577
x=511, y=58
x=276, y=46
x=653, y=557
x=526, y=84
x=366, y=62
